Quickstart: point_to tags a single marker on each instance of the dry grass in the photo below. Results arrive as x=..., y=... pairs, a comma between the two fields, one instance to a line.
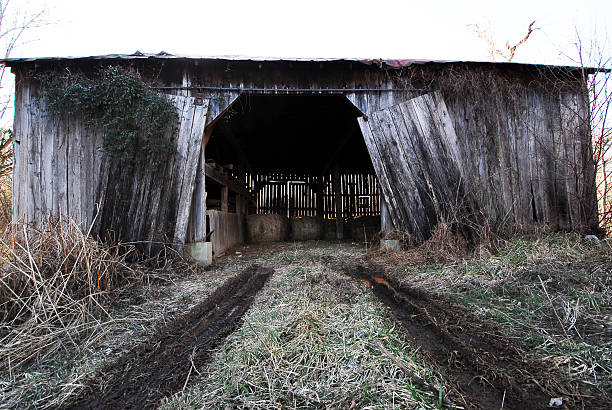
x=445, y=244
x=69, y=304
x=553, y=293
x=54, y=282
x=316, y=338
x=135, y=317
x=312, y=338
x=6, y=202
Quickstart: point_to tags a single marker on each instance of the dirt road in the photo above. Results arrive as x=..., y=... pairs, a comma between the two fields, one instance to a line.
x=162, y=366
x=482, y=369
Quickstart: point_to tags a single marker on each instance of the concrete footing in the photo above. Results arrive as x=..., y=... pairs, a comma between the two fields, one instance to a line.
x=201, y=252
x=390, y=245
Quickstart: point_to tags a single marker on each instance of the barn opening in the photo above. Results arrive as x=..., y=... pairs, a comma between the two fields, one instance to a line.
x=292, y=155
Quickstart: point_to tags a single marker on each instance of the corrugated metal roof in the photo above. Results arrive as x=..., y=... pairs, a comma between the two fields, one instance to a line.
x=391, y=63
x=167, y=56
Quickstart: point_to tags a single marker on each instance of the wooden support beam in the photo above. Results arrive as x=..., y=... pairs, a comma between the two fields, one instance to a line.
x=318, y=188
x=196, y=230
x=225, y=180
x=336, y=183
x=224, y=199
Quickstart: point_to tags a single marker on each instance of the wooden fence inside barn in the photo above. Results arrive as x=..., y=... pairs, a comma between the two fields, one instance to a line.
x=301, y=195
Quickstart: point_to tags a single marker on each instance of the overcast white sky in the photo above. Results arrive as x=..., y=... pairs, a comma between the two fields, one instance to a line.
x=425, y=29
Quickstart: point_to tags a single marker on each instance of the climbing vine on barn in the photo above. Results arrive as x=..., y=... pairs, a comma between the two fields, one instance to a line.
x=134, y=118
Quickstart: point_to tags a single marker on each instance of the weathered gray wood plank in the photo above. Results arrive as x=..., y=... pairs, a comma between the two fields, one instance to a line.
x=61, y=141
x=19, y=169
x=381, y=171
x=526, y=199
x=196, y=229
x=434, y=160
x=401, y=177
x=193, y=128
x=441, y=169
x=48, y=163
x=402, y=136
x=74, y=171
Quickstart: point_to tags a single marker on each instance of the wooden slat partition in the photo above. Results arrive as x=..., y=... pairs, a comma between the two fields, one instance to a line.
x=297, y=194
x=227, y=230
x=159, y=201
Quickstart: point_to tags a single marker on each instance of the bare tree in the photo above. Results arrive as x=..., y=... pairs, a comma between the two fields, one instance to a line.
x=596, y=62
x=14, y=22
x=506, y=54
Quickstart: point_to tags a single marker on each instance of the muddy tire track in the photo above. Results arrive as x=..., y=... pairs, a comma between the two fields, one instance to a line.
x=485, y=368
x=160, y=367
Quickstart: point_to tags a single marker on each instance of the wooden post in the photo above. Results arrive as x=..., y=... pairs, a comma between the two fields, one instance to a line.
x=224, y=198
x=319, y=187
x=197, y=217
x=337, y=187
x=386, y=225
x=238, y=203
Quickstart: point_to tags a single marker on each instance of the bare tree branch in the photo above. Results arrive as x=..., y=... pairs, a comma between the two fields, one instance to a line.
x=512, y=49
x=494, y=51
x=14, y=22
x=595, y=60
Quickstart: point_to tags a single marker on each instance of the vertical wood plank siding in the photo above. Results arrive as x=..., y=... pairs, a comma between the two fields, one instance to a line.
x=60, y=170
x=512, y=176
x=509, y=145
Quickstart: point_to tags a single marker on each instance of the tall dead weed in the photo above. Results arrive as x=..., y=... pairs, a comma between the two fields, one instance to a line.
x=54, y=284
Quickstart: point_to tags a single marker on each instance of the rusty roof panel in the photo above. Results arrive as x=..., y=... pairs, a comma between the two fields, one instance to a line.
x=162, y=55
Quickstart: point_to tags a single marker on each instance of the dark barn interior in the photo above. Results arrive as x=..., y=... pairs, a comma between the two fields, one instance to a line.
x=293, y=153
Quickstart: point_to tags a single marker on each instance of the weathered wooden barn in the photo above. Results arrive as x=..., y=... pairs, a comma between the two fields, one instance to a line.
x=498, y=145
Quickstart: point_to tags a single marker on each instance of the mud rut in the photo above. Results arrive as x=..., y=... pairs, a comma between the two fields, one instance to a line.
x=483, y=368
x=160, y=367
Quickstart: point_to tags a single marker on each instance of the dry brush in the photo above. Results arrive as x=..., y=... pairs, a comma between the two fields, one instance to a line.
x=54, y=284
